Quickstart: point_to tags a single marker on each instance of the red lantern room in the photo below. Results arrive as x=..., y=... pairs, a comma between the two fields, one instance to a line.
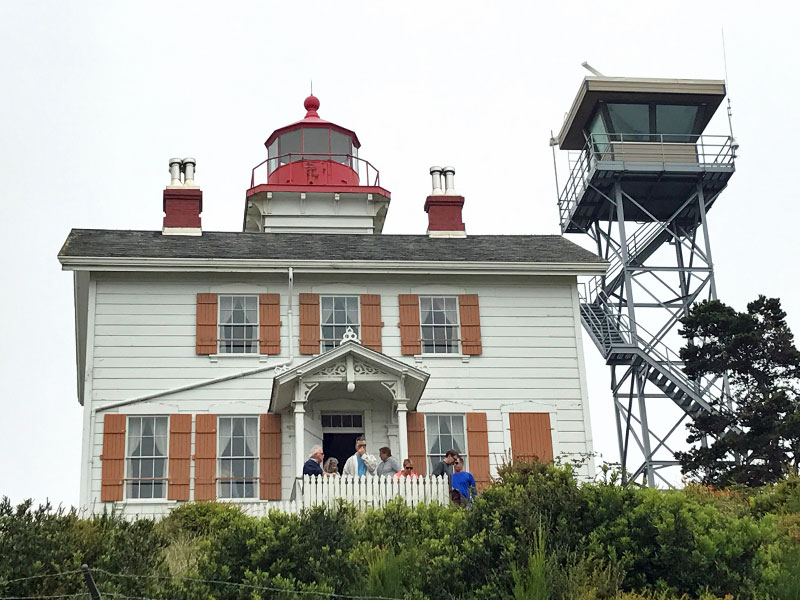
x=313, y=152
x=315, y=180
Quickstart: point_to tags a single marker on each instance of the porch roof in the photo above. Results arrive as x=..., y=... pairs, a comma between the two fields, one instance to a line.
x=350, y=362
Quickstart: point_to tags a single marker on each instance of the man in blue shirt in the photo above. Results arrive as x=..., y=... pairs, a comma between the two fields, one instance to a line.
x=463, y=481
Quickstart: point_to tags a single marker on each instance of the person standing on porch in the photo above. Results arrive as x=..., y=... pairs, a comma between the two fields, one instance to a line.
x=408, y=470
x=360, y=463
x=463, y=481
x=445, y=467
x=388, y=465
x=311, y=466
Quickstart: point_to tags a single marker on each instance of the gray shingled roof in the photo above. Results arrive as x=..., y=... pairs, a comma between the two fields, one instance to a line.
x=104, y=243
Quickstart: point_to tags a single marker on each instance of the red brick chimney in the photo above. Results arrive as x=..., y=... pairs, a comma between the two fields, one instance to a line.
x=183, y=201
x=444, y=207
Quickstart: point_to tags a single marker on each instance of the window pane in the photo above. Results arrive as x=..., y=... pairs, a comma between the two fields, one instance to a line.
x=289, y=142
x=673, y=119
x=630, y=119
x=238, y=427
x=340, y=144
x=316, y=141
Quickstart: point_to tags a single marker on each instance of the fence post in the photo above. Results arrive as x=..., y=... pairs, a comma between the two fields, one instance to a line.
x=87, y=577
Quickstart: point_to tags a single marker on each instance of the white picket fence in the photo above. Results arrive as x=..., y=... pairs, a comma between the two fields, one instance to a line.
x=373, y=492
x=363, y=492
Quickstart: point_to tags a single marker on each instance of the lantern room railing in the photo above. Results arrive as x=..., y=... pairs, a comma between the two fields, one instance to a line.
x=641, y=151
x=363, y=168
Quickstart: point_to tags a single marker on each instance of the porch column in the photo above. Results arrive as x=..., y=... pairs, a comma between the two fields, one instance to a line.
x=299, y=429
x=402, y=428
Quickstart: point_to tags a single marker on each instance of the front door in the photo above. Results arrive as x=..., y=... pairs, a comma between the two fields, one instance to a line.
x=340, y=446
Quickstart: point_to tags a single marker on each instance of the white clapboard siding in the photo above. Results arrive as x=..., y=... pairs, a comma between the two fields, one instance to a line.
x=144, y=343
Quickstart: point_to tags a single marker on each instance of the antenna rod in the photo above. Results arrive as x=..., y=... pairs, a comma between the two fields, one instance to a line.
x=727, y=85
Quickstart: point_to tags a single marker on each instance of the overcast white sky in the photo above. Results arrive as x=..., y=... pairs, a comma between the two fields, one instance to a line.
x=96, y=97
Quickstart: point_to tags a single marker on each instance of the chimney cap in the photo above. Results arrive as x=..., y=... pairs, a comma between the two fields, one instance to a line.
x=435, y=170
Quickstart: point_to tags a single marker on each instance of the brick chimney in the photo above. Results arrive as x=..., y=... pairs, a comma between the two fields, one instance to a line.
x=444, y=207
x=183, y=200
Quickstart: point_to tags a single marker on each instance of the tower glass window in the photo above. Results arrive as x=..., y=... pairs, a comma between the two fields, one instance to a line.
x=288, y=143
x=238, y=455
x=316, y=142
x=630, y=120
x=341, y=147
x=674, y=120
x=338, y=313
x=238, y=324
x=146, y=458
x=439, y=324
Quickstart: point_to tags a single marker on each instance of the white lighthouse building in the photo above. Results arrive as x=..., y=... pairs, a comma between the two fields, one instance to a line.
x=210, y=363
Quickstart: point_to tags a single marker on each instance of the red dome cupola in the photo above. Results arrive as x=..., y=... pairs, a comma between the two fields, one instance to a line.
x=313, y=152
x=315, y=181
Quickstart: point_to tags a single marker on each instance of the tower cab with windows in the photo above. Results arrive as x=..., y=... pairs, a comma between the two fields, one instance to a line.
x=315, y=181
x=648, y=133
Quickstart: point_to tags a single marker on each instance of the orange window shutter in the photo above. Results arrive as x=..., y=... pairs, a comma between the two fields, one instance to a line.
x=180, y=453
x=206, y=334
x=478, y=444
x=309, y=323
x=410, y=343
x=270, y=459
x=531, y=439
x=371, y=324
x=269, y=323
x=470, y=324
x=417, y=450
x=113, y=458
x=205, y=457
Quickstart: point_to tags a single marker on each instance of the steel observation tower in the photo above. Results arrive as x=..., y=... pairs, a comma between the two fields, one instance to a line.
x=642, y=177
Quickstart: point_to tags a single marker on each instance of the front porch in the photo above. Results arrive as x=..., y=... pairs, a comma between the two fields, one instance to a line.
x=336, y=396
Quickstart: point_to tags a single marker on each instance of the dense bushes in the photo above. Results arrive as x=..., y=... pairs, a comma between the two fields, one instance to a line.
x=535, y=534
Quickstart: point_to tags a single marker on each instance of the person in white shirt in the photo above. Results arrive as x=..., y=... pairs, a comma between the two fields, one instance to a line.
x=360, y=463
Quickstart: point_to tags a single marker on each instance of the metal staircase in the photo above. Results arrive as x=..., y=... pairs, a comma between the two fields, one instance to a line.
x=649, y=221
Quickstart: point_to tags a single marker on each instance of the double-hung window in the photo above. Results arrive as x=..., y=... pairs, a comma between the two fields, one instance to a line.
x=146, y=457
x=238, y=324
x=444, y=432
x=439, y=324
x=238, y=457
x=338, y=313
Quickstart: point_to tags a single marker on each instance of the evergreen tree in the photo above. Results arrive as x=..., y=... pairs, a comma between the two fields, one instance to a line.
x=758, y=442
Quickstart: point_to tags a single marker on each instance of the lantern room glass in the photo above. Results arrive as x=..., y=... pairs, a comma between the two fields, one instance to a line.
x=312, y=143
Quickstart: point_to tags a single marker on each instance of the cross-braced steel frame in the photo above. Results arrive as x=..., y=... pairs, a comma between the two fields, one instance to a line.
x=658, y=267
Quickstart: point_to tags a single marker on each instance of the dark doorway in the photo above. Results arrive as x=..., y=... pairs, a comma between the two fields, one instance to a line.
x=339, y=445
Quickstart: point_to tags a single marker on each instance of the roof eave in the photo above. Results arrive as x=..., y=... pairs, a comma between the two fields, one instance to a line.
x=235, y=265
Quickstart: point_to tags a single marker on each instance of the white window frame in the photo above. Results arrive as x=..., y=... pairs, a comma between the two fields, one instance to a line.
x=255, y=458
x=128, y=479
x=254, y=340
x=456, y=351
x=440, y=456
x=342, y=429
x=355, y=326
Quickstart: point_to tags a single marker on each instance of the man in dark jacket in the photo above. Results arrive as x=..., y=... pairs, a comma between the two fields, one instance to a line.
x=312, y=465
x=445, y=467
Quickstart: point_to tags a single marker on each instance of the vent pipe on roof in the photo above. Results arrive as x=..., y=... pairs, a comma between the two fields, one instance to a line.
x=188, y=171
x=175, y=172
x=449, y=175
x=436, y=181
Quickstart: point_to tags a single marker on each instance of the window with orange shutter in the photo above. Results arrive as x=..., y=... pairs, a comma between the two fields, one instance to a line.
x=146, y=458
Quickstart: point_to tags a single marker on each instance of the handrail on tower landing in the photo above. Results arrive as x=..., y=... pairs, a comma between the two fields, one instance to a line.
x=641, y=153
